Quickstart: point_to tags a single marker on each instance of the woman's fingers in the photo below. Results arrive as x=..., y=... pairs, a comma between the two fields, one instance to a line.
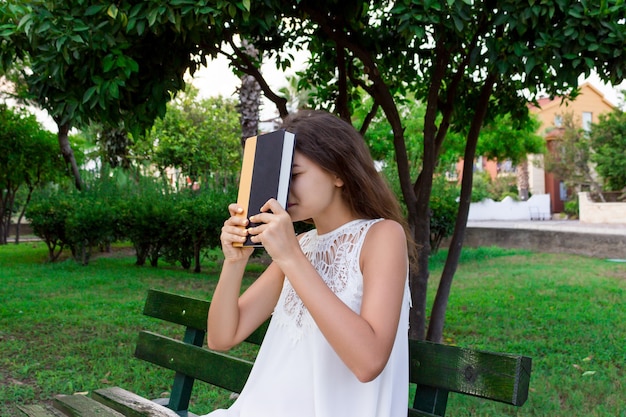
x=274, y=229
x=234, y=231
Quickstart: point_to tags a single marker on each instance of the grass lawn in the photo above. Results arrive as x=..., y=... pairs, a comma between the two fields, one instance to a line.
x=66, y=328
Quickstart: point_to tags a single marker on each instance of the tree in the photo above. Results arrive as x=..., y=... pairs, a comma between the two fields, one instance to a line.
x=608, y=143
x=505, y=139
x=101, y=63
x=296, y=95
x=570, y=157
x=199, y=138
x=29, y=158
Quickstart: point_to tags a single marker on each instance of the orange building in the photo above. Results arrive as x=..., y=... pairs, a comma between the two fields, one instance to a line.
x=585, y=108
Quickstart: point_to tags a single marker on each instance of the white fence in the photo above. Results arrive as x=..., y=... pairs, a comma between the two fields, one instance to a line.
x=537, y=207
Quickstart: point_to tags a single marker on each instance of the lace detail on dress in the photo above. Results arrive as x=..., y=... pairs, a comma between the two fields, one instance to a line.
x=335, y=256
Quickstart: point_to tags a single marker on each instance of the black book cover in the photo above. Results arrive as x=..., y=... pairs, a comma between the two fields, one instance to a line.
x=265, y=172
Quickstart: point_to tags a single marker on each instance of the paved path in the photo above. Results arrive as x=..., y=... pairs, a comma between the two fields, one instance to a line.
x=553, y=225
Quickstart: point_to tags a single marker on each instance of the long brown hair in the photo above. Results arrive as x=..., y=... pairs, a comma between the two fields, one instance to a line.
x=339, y=148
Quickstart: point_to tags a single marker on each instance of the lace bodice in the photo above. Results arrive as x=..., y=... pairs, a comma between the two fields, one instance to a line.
x=335, y=256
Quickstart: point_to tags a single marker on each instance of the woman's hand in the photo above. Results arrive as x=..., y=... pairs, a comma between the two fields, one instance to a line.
x=234, y=231
x=275, y=231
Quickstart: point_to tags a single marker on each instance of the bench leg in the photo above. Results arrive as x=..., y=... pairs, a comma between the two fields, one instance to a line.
x=183, y=385
x=431, y=400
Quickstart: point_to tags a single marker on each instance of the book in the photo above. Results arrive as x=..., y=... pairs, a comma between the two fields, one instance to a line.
x=265, y=173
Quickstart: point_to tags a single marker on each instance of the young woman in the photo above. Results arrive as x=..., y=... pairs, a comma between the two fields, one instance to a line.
x=338, y=295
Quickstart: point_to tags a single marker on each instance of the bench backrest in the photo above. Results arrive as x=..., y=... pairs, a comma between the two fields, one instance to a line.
x=435, y=369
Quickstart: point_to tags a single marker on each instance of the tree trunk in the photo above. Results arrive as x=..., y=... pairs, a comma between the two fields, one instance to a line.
x=196, y=256
x=419, y=218
x=21, y=216
x=68, y=154
x=341, y=101
x=6, y=211
x=437, y=318
x=523, y=186
x=4, y=225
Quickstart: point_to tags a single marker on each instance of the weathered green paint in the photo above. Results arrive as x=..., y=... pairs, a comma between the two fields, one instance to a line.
x=430, y=401
x=436, y=369
x=183, y=384
x=495, y=376
x=417, y=413
x=213, y=367
x=188, y=312
x=83, y=406
x=130, y=404
x=36, y=410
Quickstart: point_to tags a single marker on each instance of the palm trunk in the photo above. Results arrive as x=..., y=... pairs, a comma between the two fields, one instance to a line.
x=249, y=99
x=523, y=180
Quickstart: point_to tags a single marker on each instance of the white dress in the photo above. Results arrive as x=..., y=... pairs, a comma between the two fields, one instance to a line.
x=297, y=373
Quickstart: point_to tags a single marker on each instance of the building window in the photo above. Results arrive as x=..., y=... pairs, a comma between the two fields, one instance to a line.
x=562, y=191
x=558, y=120
x=587, y=120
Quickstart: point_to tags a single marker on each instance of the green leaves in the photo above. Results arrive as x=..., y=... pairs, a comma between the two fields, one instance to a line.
x=199, y=138
x=112, y=11
x=95, y=9
x=608, y=141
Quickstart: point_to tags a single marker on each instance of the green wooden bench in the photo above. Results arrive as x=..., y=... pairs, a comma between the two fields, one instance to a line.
x=435, y=370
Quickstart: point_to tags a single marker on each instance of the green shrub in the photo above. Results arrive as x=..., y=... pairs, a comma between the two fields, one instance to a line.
x=444, y=208
x=481, y=184
x=148, y=218
x=177, y=226
x=503, y=186
x=571, y=207
x=47, y=213
x=200, y=216
x=90, y=223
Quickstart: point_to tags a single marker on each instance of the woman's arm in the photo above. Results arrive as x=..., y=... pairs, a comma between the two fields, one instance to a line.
x=232, y=318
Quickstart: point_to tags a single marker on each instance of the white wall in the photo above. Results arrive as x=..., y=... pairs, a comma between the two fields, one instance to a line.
x=592, y=212
x=537, y=207
x=536, y=174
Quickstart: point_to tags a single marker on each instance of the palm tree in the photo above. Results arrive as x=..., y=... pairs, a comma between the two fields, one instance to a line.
x=297, y=98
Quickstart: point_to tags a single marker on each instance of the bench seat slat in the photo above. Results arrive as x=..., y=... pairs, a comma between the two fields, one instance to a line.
x=80, y=405
x=36, y=410
x=187, y=311
x=496, y=376
x=209, y=366
x=130, y=404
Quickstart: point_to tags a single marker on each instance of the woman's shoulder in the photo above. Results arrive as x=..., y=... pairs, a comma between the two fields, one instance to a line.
x=387, y=227
x=385, y=234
